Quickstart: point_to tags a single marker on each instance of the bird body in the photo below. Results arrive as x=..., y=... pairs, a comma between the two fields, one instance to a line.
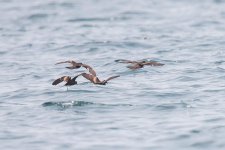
x=95, y=79
x=135, y=66
x=69, y=81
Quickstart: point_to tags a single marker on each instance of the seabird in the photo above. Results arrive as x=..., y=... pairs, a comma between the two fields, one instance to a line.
x=69, y=81
x=91, y=76
x=75, y=65
x=138, y=64
x=95, y=79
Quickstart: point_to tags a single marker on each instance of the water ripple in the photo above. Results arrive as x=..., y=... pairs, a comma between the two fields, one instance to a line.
x=73, y=104
x=177, y=106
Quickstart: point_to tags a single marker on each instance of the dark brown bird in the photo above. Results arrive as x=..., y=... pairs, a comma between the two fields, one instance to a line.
x=75, y=65
x=138, y=64
x=69, y=81
x=95, y=79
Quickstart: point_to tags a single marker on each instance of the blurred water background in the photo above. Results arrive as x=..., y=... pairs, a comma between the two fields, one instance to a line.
x=174, y=107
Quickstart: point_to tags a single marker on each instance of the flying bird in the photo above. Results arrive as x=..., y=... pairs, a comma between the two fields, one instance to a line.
x=91, y=76
x=138, y=64
x=74, y=64
x=95, y=79
x=69, y=81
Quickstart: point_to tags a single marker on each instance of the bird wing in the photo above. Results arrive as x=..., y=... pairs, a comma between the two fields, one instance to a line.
x=90, y=69
x=74, y=78
x=88, y=77
x=125, y=61
x=68, y=61
x=72, y=67
x=57, y=81
x=75, y=66
x=110, y=78
x=153, y=63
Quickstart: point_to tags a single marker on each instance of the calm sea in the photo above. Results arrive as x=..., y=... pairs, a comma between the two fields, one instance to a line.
x=178, y=106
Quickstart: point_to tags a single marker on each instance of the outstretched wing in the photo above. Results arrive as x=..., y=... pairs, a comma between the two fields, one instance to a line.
x=68, y=61
x=125, y=61
x=110, y=78
x=74, y=78
x=57, y=81
x=88, y=77
x=74, y=64
x=90, y=69
x=153, y=63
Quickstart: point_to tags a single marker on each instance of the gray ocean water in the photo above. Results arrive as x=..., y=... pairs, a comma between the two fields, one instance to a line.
x=178, y=106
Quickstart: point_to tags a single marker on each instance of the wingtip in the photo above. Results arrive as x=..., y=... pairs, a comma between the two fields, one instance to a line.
x=119, y=60
x=58, y=63
x=159, y=64
x=55, y=82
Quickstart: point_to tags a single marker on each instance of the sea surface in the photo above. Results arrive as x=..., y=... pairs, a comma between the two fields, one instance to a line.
x=178, y=106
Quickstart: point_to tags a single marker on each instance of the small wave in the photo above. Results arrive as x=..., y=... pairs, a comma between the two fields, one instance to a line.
x=219, y=62
x=72, y=104
x=37, y=16
x=81, y=91
x=3, y=104
x=87, y=19
x=186, y=78
x=219, y=1
x=172, y=106
x=3, y=52
x=67, y=104
x=134, y=13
